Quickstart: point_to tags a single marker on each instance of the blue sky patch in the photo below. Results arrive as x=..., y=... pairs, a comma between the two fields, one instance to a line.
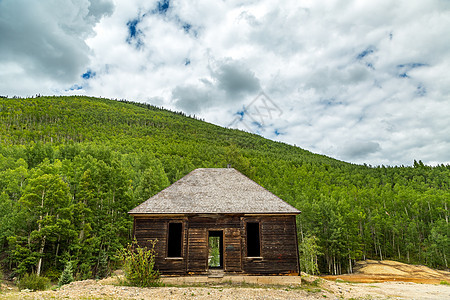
x=403, y=69
x=410, y=66
x=241, y=113
x=277, y=133
x=364, y=53
x=257, y=124
x=187, y=27
x=75, y=87
x=134, y=33
x=163, y=6
x=88, y=75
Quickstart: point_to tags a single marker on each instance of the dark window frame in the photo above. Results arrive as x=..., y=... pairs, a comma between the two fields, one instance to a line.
x=253, y=251
x=169, y=252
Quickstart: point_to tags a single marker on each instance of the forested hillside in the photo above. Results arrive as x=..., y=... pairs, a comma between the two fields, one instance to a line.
x=71, y=168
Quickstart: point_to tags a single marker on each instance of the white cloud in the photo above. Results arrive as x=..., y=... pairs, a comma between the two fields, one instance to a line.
x=43, y=42
x=366, y=82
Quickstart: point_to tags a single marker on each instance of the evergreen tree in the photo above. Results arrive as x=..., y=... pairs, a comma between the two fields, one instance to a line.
x=67, y=275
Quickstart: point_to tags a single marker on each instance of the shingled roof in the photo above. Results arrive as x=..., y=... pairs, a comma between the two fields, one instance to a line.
x=214, y=191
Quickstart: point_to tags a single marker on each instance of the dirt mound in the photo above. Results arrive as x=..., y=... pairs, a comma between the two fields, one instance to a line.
x=393, y=268
x=388, y=270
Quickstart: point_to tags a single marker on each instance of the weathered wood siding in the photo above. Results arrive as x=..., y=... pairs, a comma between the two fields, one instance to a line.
x=278, y=246
x=278, y=243
x=199, y=226
x=233, y=250
x=197, y=250
x=146, y=229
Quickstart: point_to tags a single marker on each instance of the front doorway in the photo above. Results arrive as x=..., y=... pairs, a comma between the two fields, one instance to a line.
x=215, y=249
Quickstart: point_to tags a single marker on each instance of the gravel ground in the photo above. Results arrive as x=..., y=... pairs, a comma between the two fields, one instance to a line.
x=104, y=289
x=90, y=289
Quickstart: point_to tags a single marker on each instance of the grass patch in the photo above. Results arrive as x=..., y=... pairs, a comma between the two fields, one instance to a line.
x=313, y=291
x=444, y=282
x=315, y=282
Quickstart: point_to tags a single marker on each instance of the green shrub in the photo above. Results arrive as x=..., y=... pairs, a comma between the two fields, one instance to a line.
x=67, y=274
x=52, y=273
x=139, y=265
x=33, y=282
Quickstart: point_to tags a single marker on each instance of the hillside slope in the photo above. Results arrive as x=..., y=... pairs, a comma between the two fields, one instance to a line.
x=71, y=167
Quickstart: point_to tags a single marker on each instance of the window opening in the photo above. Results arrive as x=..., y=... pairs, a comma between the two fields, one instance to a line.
x=175, y=240
x=253, y=240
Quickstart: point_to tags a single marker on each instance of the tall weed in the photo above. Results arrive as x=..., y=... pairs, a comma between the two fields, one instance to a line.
x=139, y=264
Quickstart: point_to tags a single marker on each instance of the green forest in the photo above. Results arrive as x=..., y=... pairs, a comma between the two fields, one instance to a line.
x=72, y=167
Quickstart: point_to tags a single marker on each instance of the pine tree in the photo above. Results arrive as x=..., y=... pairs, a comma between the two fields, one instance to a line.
x=67, y=275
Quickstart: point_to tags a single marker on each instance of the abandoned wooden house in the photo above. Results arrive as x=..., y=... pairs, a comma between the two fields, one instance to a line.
x=218, y=219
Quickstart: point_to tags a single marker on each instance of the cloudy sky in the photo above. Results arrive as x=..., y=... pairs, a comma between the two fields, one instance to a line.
x=361, y=81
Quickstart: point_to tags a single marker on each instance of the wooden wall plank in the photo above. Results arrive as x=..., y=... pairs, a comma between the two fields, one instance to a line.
x=198, y=250
x=278, y=246
x=233, y=249
x=156, y=228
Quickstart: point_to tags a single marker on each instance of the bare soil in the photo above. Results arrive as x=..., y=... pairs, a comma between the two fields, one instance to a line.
x=388, y=270
x=389, y=280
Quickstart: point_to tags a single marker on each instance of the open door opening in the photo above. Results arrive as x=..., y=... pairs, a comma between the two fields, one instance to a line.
x=215, y=254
